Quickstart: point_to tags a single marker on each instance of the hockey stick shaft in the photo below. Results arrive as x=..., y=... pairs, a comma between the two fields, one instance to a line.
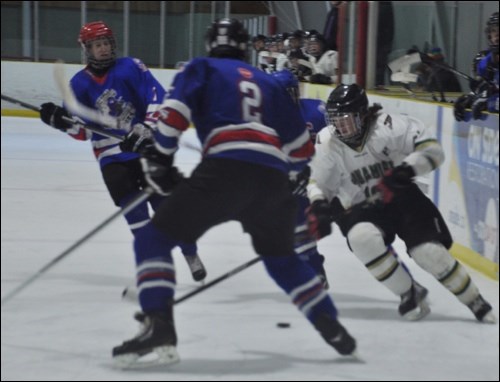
x=20, y=103
x=225, y=276
x=140, y=198
x=95, y=129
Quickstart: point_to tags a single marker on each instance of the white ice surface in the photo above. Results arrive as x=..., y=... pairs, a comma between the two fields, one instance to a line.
x=63, y=326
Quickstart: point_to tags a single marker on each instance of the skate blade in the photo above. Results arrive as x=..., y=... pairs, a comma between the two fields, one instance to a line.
x=162, y=355
x=354, y=357
x=418, y=313
x=489, y=318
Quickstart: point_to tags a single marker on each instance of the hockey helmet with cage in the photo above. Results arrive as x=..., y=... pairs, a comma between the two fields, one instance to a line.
x=492, y=32
x=346, y=109
x=94, y=31
x=227, y=38
x=289, y=81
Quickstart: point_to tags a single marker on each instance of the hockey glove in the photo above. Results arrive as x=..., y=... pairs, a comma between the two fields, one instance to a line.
x=395, y=181
x=159, y=172
x=139, y=140
x=53, y=115
x=319, y=219
x=461, y=103
x=479, y=105
x=299, y=184
x=337, y=210
x=319, y=78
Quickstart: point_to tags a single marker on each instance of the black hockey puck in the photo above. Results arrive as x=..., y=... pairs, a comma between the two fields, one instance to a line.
x=283, y=324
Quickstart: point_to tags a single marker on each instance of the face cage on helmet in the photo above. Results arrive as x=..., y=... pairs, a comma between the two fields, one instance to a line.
x=100, y=64
x=490, y=30
x=346, y=126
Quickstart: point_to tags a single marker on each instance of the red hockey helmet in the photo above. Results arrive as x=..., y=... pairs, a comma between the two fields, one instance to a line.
x=94, y=31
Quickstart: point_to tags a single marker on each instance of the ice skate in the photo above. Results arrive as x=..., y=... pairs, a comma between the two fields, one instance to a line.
x=413, y=304
x=336, y=335
x=157, y=337
x=482, y=310
x=197, y=268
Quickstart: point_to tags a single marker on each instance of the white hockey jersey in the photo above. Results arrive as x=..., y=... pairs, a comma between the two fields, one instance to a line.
x=327, y=64
x=351, y=175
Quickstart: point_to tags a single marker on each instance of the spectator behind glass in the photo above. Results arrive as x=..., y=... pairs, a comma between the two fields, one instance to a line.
x=432, y=77
x=385, y=36
x=331, y=24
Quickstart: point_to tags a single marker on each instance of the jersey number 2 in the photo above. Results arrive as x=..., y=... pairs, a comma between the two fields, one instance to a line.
x=251, y=101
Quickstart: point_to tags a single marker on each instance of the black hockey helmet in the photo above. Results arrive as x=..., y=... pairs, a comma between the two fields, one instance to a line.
x=491, y=28
x=346, y=109
x=227, y=38
x=316, y=44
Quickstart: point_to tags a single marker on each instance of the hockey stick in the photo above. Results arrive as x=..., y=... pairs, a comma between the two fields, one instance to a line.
x=218, y=279
x=78, y=108
x=20, y=103
x=97, y=130
x=131, y=294
x=140, y=198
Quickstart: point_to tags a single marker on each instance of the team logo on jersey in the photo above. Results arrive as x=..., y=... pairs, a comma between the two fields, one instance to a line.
x=245, y=73
x=109, y=103
x=364, y=174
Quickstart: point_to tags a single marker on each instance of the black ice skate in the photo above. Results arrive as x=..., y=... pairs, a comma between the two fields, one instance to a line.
x=197, y=268
x=413, y=304
x=157, y=336
x=482, y=310
x=335, y=335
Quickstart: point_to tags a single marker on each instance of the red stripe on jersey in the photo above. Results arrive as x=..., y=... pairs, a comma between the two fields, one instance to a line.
x=172, y=118
x=81, y=135
x=305, y=151
x=247, y=135
x=98, y=152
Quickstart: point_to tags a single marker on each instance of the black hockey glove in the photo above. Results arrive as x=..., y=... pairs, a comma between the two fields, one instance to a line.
x=53, y=115
x=395, y=181
x=299, y=184
x=319, y=78
x=139, y=140
x=479, y=105
x=337, y=210
x=461, y=103
x=319, y=219
x=160, y=173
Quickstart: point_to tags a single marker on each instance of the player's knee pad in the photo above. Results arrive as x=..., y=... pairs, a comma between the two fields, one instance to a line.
x=367, y=243
x=435, y=259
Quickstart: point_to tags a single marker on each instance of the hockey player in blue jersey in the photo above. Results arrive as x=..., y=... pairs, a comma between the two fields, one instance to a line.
x=313, y=112
x=123, y=88
x=252, y=136
x=484, y=91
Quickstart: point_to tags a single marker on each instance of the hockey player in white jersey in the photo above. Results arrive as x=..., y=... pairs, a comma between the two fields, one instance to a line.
x=362, y=179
